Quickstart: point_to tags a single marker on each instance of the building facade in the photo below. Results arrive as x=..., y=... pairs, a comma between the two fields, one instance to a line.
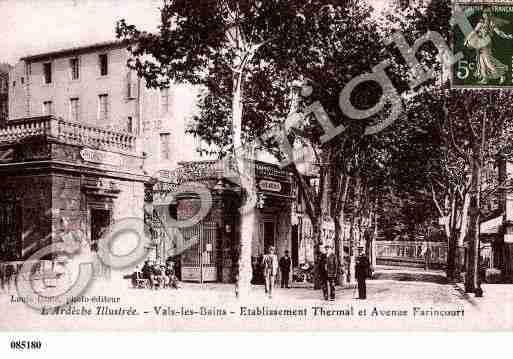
x=4, y=92
x=496, y=231
x=78, y=146
x=58, y=177
x=93, y=85
x=207, y=250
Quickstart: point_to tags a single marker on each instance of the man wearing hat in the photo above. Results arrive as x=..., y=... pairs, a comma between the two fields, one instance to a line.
x=270, y=263
x=329, y=270
x=363, y=271
x=285, y=265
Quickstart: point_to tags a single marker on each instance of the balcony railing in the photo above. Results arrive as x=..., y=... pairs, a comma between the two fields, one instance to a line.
x=68, y=132
x=209, y=169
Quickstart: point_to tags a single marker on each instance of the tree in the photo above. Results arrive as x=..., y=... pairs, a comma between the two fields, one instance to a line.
x=448, y=183
x=480, y=128
x=245, y=53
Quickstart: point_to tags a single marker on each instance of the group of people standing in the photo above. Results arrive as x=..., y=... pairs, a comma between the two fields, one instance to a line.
x=328, y=269
x=271, y=265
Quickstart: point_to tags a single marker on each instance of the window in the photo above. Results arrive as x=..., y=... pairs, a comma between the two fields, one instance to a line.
x=165, y=153
x=9, y=222
x=103, y=107
x=28, y=69
x=130, y=124
x=3, y=108
x=104, y=64
x=74, y=67
x=22, y=80
x=74, y=109
x=164, y=100
x=47, y=71
x=47, y=108
x=131, y=86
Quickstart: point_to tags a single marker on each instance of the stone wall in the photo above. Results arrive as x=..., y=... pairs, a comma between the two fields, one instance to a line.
x=33, y=202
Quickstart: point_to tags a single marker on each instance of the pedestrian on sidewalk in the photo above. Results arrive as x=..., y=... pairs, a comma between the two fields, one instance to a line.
x=270, y=263
x=330, y=270
x=285, y=265
x=362, y=271
x=425, y=253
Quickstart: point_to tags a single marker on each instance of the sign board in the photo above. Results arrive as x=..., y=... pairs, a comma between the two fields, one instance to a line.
x=266, y=185
x=101, y=157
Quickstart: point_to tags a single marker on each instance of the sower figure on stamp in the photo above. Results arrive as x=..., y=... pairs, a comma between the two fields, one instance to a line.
x=270, y=263
x=285, y=264
x=329, y=270
x=362, y=273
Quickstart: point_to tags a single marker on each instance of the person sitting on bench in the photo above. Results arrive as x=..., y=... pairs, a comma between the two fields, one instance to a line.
x=137, y=279
x=158, y=276
x=170, y=273
x=147, y=273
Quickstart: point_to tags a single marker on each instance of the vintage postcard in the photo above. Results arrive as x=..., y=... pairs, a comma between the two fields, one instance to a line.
x=256, y=165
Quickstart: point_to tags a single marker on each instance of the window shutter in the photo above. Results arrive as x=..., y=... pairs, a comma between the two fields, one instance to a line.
x=131, y=86
x=133, y=90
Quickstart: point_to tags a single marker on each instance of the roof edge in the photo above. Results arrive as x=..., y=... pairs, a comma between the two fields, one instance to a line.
x=73, y=50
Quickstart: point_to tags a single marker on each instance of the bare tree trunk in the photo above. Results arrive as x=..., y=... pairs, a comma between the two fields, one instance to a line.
x=472, y=280
x=452, y=245
x=316, y=229
x=462, y=235
x=374, y=236
x=338, y=218
x=338, y=246
x=246, y=174
x=354, y=229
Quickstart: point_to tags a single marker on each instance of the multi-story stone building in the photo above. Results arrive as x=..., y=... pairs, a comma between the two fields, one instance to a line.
x=92, y=85
x=4, y=92
x=79, y=146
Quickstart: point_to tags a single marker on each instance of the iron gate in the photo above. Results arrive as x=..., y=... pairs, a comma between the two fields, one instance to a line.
x=198, y=259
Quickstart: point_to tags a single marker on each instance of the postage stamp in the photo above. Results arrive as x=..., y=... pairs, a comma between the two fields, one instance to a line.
x=488, y=49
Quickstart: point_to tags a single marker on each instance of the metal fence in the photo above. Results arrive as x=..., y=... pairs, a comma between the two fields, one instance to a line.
x=411, y=253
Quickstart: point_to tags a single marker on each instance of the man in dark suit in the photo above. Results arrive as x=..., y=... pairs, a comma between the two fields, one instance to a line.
x=329, y=270
x=147, y=273
x=362, y=273
x=285, y=265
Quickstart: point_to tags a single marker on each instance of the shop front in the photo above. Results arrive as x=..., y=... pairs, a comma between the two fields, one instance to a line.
x=58, y=177
x=208, y=250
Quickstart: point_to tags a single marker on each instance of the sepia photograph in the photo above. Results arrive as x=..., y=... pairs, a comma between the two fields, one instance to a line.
x=256, y=165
